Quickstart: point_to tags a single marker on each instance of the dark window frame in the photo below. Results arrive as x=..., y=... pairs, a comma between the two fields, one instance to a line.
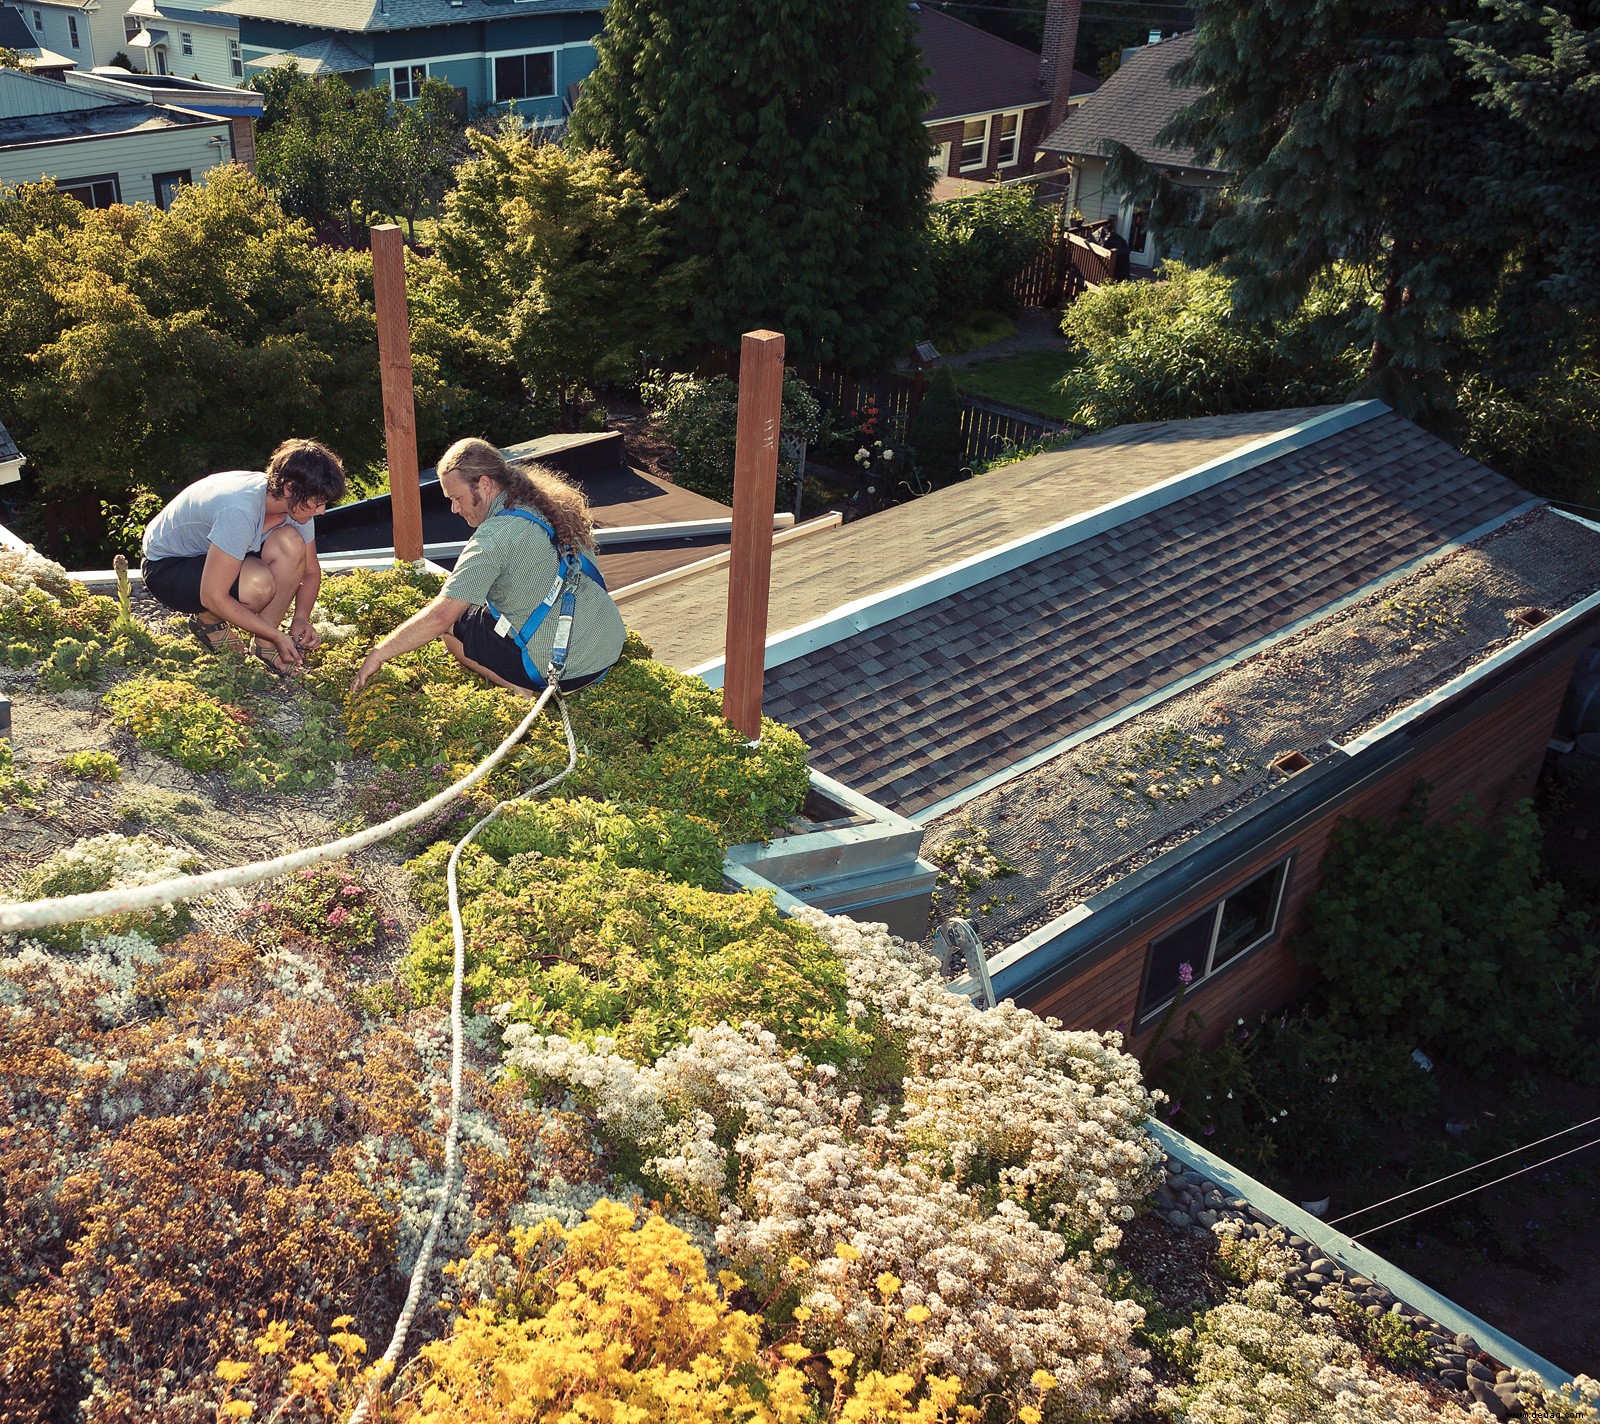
x=72, y=31
x=503, y=61
x=69, y=186
x=1149, y=1009
x=185, y=176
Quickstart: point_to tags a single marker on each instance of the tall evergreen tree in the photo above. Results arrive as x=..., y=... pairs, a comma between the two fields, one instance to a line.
x=791, y=134
x=1352, y=133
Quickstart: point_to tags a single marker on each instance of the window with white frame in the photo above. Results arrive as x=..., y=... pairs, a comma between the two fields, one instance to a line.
x=186, y=40
x=1219, y=935
x=131, y=25
x=236, y=59
x=72, y=31
x=524, y=76
x=406, y=81
x=974, y=143
x=1008, y=143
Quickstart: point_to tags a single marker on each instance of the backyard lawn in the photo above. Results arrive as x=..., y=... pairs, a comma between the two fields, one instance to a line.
x=1026, y=381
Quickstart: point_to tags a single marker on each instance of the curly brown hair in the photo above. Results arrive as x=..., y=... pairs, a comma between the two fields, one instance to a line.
x=529, y=486
x=305, y=470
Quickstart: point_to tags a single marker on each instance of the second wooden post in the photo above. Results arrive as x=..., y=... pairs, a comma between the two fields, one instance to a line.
x=755, y=489
x=399, y=400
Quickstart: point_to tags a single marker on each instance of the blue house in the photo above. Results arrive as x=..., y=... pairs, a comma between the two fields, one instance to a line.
x=530, y=55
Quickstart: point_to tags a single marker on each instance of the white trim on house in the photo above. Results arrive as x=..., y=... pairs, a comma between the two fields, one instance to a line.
x=1016, y=139
x=494, y=73
x=962, y=118
x=983, y=158
x=878, y=608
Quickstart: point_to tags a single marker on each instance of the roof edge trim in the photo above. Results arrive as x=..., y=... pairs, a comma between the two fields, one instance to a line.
x=1222, y=665
x=866, y=613
x=1409, y=713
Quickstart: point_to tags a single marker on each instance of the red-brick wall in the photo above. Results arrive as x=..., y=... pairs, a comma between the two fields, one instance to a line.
x=1033, y=133
x=1492, y=751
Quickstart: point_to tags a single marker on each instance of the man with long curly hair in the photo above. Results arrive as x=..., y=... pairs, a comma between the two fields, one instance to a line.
x=510, y=569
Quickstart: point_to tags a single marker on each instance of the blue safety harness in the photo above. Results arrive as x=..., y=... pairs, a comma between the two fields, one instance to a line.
x=573, y=565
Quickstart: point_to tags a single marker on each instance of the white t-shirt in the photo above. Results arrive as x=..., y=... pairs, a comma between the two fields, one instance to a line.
x=228, y=510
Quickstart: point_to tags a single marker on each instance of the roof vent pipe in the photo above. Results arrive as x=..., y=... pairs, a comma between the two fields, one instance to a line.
x=755, y=492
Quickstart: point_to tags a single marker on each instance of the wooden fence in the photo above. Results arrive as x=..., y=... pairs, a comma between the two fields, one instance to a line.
x=1071, y=261
x=986, y=428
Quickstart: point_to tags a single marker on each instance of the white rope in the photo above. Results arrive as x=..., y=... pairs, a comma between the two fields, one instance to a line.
x=21, y=916
x=1437, y=1181
x=419, y=1272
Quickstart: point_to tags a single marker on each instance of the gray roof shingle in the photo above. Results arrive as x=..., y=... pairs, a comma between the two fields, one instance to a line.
x=366, y=16
x=1131, y=108
x=8, y=446
x=971, y=71
x=927, y=703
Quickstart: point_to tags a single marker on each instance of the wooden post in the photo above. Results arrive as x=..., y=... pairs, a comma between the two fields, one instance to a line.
x=399, y=404
x=755, y=489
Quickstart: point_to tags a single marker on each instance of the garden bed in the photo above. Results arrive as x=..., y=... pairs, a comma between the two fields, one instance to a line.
x=778, y=1168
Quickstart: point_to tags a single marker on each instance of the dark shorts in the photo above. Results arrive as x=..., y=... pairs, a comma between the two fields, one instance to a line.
x=176, y=582
x=502, y=656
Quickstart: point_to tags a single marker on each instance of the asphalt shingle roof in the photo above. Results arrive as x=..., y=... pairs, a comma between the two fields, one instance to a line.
x=971, y=71
x=8, y=446
x=921, y=706
x=1132, y=107
x=366, y=16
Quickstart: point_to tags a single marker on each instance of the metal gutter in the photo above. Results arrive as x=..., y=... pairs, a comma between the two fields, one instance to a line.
x=866, y=613
x=1155, y=699
x=1355, y=1257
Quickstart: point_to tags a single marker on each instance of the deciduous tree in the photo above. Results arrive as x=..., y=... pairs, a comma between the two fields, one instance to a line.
x=790, y=133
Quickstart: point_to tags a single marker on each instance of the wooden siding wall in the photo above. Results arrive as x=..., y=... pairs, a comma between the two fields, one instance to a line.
x=134, y=157
x=1494, y=756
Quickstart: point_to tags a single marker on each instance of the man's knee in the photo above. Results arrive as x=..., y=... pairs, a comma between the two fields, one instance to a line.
x=284, y=547
x=256, y=585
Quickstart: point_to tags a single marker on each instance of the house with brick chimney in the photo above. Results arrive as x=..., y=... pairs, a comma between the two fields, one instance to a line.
x=994, y=101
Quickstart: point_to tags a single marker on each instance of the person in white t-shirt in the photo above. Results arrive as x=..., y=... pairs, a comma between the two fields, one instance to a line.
x=238, y=548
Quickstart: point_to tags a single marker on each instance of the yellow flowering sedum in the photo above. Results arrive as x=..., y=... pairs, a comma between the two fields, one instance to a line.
x=624, y=1326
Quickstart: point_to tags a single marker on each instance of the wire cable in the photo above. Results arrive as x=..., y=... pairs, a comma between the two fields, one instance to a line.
x=452, y=1141
x=1439, y=1181
x=1422, y=1210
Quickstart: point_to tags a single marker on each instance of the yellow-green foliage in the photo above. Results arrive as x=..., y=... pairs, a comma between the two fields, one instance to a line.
x=17, y=793
x=590, y=948
x=646, y=733
x=92, y=766
x=625, y=1325
x=110, y=862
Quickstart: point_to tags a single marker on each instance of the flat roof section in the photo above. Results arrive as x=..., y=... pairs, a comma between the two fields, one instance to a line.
x=685, y=622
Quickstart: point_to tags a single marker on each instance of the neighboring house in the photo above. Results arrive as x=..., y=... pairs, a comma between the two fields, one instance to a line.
x=1153, y=670
x=36, y=59
x=240, y=107
x=193, y=40
x=529, y=55
x=994, y=101
x=89, y=32
x=103, y=147
x=11, y=459
x=1131, y=108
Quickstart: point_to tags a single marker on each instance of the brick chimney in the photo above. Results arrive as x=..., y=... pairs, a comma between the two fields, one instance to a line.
x=1055, y=63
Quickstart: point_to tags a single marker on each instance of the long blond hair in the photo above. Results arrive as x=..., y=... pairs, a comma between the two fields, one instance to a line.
x=536, y=487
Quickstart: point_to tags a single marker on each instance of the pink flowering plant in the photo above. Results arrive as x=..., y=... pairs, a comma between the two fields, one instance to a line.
x=330, y=905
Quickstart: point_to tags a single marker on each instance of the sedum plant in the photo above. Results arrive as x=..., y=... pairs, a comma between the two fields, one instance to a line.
x=109, y=862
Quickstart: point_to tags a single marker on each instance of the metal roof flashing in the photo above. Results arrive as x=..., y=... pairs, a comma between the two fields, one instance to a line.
x=866, y=613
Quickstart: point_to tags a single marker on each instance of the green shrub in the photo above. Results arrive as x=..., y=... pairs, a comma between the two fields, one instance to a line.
x=92, y=766
x=639, y=838
x=977, y=245
x=330, y=905
x=109, y=862
x=17, y=793
x=934, y=432
x=1448, y=933
x=699, y=415
x=590, y=949
x=376, y=601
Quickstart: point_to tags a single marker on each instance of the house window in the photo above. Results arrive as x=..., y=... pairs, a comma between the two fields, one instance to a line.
x=974, y=144
x=406, y=81
x=38, y=22
x=939, y=159
x=131, y=26
x=167, y=185
x=72, y=31
x=186, y=40
x=101, y=191
x=524, y=76
x=1138, y=230
x=1243, y=920
x=235, y=59
x=1009, y=142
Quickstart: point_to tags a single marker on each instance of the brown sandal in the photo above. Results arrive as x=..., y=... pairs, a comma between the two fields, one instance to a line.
x=272, y=660
x=213, y=637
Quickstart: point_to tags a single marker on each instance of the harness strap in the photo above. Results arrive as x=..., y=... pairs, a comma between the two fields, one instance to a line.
x=573, y=564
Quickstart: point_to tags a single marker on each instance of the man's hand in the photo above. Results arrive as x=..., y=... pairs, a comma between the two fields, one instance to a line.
x=304, y=635
x=288, y=653
x=369, y=665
